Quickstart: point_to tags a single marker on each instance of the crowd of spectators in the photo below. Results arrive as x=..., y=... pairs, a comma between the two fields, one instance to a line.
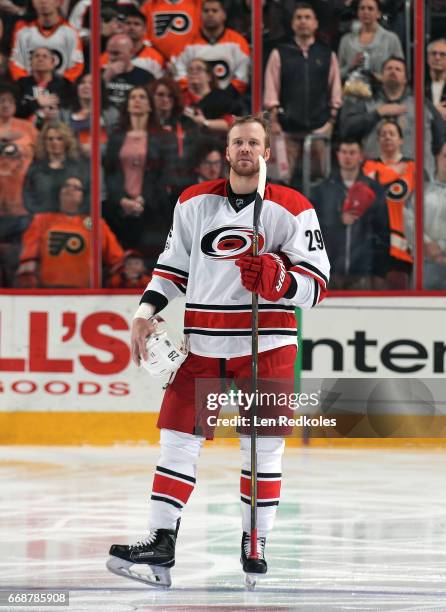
x=174, y=74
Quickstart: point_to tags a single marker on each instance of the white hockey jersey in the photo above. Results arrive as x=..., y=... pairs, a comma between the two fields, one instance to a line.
x=208, y=236
x=63, y=41
x=229, y=57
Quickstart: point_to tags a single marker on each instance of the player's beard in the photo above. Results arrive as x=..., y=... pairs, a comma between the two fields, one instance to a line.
x=242, y=169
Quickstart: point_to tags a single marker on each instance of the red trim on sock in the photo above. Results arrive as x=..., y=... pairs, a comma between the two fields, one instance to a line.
x=266, y=489
x=164, y=485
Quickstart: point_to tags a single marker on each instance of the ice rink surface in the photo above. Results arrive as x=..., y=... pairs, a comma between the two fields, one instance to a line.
x=356, y=530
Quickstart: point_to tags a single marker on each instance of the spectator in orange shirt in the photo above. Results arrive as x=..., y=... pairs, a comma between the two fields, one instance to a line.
x=24, y=136
x=56, y=246
x=48, y=30
x=17, y=141
x=397, y=174
x=171, y=25
x=133, y=274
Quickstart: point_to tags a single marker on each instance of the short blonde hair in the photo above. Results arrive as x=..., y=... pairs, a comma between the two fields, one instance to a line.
x=71, y=146
x=260, y=119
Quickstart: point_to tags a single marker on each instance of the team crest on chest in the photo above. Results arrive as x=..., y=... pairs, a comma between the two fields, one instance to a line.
x=164, y=23
x=71, y=242
x=398, y=190
x=229, y=242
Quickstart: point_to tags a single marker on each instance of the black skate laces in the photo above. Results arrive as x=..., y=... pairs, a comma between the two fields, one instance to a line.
x=147, y=541
x=260, y=546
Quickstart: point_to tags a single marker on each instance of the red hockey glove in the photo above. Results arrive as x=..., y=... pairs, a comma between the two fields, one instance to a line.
x=265, y=275
x=359, y=199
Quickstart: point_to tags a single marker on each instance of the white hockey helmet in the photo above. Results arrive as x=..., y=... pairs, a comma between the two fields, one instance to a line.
x=164, y=356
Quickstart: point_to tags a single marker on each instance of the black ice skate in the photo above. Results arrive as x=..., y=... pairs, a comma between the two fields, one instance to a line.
x=154, y=556
x=253, y=567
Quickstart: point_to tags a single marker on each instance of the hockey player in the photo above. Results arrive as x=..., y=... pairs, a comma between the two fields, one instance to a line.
x=207, y=257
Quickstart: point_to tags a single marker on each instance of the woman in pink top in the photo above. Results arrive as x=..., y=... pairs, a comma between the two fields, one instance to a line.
x=134, y=205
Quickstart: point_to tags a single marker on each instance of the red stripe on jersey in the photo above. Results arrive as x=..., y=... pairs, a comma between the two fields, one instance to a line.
x=266, y=489
x=172, y=277
x=164, y=485
x=217, y=187
x=238, y=320
x=323, y=292
x=290, y=199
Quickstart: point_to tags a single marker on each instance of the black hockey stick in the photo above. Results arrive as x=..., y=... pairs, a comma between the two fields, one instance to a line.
x=255, y=358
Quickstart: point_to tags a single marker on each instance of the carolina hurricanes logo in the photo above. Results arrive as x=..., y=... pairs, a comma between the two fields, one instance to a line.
x=229, y=242
x=164, y=23
x=398, y=190
x=220, y=68
x=68, y=241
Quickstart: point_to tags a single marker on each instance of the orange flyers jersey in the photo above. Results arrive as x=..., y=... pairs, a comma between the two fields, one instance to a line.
x=399, y=188
x=229, y=56
x=148, y=59
x=171, y=24
x=63, y=41
x=61, y=245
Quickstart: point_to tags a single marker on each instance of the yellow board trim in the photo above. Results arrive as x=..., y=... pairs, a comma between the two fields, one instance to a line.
x=106, y=428
x=74, y=428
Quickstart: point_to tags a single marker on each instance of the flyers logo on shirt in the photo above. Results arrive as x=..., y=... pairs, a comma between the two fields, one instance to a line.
x=179, y=23
x=220, y=69
x=69, y=241
x=397, y=190
x=229, y=242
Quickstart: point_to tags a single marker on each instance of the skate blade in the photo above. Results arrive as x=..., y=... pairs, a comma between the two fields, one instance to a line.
x=158, y=577
x=251, y=581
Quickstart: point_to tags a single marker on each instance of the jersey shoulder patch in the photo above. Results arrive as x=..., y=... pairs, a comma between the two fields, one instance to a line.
x=290, y=199
x=217, y=187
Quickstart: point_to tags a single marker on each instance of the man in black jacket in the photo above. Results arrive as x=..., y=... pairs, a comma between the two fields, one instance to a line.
x=359, y=117
x=42, y=88
x=353, y=217
x=302, y=87
x=120, y=75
